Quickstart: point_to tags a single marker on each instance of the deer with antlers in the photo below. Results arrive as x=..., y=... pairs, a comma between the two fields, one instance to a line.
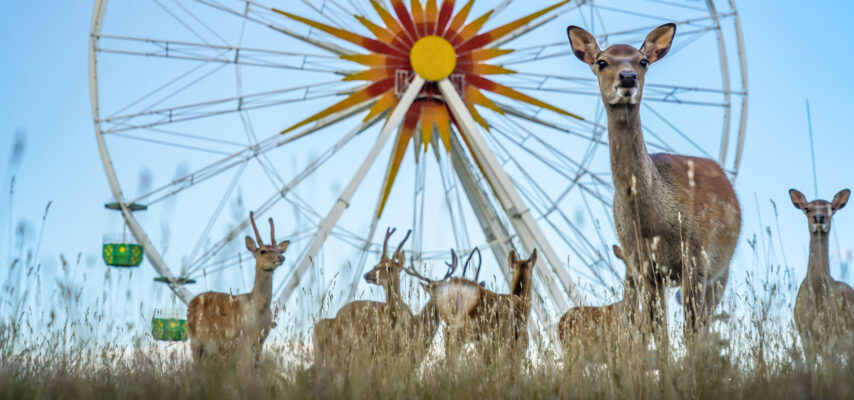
x=677, y=217
x=588, y=332
x=824, y=308
x=225, y=324
x=378, y=328
x=496, y=323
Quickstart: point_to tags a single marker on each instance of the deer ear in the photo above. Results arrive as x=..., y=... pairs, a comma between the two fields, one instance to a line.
x=798, y=199
x=657, y=43
x=250, y=244
x=532, y=260
x=618, y=252
x=840, y=199
x=583, y=44
x=284, y=245
x=512, y=259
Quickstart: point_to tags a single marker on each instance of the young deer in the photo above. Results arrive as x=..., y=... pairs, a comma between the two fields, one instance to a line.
x=226, y=324
x=587, y=331
x=376, y=328
x=493, y=322
x=824, y=308
x=677, y=217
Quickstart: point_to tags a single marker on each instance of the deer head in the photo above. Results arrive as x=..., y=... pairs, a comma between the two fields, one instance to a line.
x=621, y=68
x=267, y=257
x=387, y=271
x=427, y=282
x=522, y=270
x=819, y=212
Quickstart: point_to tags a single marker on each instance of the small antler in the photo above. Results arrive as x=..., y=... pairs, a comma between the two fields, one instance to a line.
x=388, y=233
x=452, y=266
x=479, y=262
x=400, y=246
x=255, y=227
x=272, y=233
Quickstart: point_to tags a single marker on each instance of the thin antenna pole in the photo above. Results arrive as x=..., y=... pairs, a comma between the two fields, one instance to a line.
x=812, y=151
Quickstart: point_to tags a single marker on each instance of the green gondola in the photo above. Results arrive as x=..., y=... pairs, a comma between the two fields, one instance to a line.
x=120, y=250
x=169, y=329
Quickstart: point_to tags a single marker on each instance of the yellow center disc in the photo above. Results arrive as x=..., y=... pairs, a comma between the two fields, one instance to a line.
x=433, y=58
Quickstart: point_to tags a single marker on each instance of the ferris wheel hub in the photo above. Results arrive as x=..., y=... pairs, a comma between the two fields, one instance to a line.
x=433, y=58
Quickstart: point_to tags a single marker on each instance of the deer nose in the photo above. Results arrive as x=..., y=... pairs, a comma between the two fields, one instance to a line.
x=628, y=79
x=819, y=219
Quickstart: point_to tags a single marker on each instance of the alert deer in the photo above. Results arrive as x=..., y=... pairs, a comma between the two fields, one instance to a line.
x=824, y=308
x=495, y=323
x=225, y=324
x=376, y=328
x=677, y=217
x=587, y=332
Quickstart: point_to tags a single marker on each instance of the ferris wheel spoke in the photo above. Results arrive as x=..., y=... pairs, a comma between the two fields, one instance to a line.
x=276, y=27
x=204, y=52
x=218, y=210
x=213, y=169
x=182, y=22
x=678, y=131
x=313, y=166
x=676, y=4
x=170, y=144
x=331, y=219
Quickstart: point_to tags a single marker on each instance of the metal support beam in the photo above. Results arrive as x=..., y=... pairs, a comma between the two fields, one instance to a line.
x=343, y=201
x=495, y=232
x=520, y=217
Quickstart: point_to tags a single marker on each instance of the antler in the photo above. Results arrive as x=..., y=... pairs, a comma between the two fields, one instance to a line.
x=400, y=246
x=255, y=228
x=388, y=233
x=452, y=266
x=272, y=233
x=479, y=263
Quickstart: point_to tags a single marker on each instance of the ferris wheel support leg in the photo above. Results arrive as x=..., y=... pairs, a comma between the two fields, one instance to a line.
x=343, y=201
x=495, y=232
x=521, y=219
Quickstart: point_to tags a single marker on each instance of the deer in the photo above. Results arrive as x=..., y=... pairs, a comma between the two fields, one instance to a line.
x=495, y=323
x=677, y=217
x=377, y=328
x=587, y=330
x=225, y=324
x=824, y=307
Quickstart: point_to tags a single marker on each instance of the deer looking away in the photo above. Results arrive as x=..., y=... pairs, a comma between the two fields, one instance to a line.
x=496, y=323
x=677, y=217
x=586, y=332
x=225, y=324
x=824, y=308
x=376, y=328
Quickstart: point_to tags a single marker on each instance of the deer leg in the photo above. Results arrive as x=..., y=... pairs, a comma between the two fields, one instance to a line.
x=656, y=309
x=700, y=296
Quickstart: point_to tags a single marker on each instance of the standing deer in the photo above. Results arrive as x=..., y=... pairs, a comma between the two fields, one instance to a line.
x=225, y=324
x=677, y=217
x=377, y=328
x=587, y=332
x=495, y=323
x=824, y=308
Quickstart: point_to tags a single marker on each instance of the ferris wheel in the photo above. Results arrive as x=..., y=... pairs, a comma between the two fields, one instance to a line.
x=466, y=121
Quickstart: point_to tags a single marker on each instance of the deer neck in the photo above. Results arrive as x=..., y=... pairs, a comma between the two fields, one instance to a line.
x=262, y=293
x=392, y=295
x=818, y=269
x=631, y=165
x=428, y=320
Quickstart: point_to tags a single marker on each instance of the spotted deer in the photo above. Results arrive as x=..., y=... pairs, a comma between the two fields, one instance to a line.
x=677, y=217
x=587, y=332
x=376, y=328
x=224, y=324
x=496, y=323
x=824, y=308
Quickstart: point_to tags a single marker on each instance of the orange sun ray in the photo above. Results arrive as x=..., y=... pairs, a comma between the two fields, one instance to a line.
x=405, y=18
x=356, y=98
x=430, y=11
x=443, y=124
x=472, y=28
x=401, y=143
x=478, y=97
x=381, y=33
x=460, y=18
x=418, y=17
x=482, y=55
x=505, y=91
x=359, y=40
x=484, y=38
x=385, y=102
x=373, y=74
x=390, y=22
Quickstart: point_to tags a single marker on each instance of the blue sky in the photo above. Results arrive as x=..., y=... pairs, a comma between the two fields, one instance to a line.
x=795, y=51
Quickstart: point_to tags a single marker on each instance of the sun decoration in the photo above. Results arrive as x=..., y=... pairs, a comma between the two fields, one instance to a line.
x=429, y=41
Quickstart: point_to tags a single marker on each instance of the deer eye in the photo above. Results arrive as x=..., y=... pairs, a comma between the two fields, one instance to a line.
x=644, y=63
x=263, y=251
x=602, y=64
